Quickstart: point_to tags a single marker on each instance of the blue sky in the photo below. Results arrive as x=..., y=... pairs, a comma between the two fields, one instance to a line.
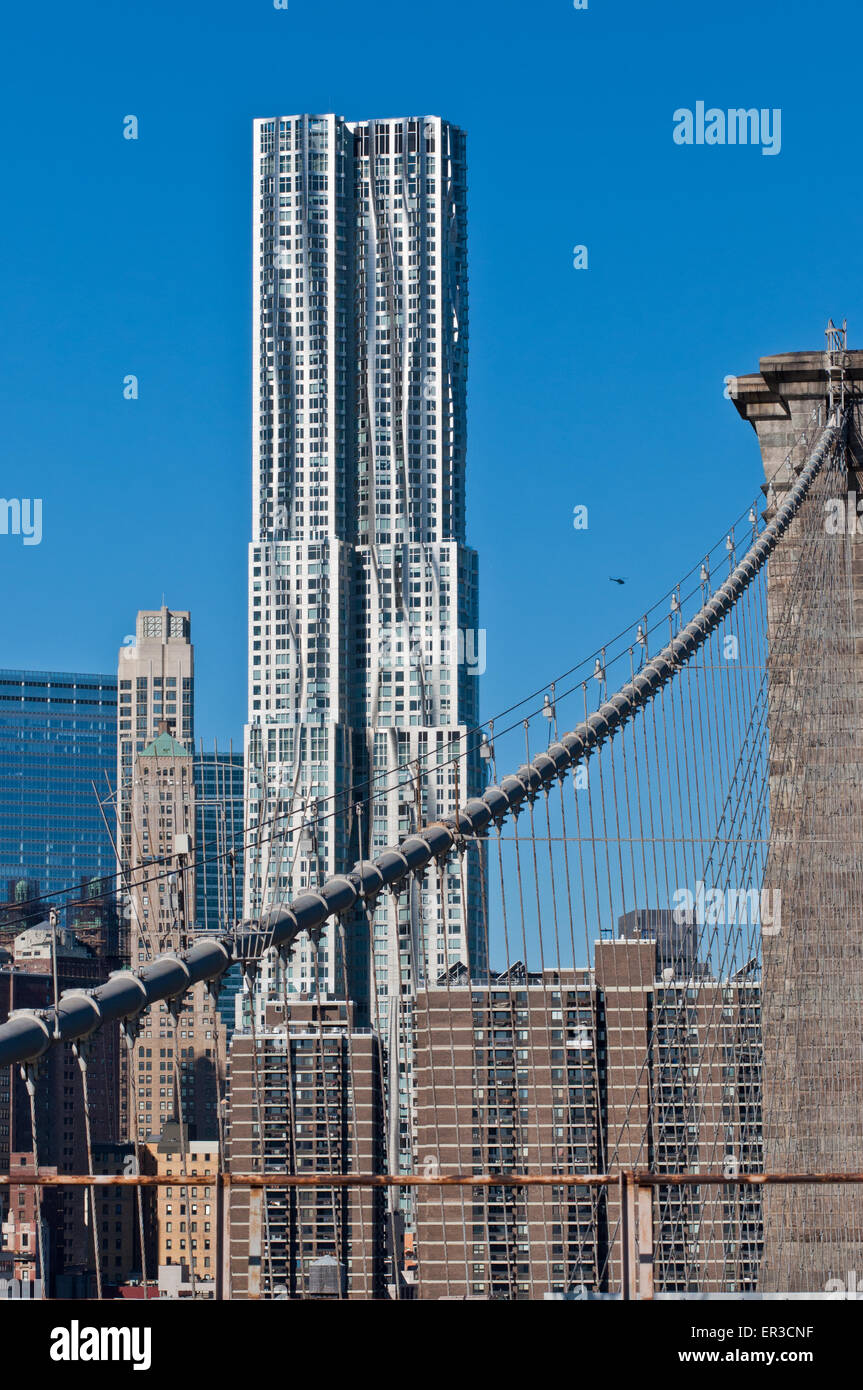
x=602, y=387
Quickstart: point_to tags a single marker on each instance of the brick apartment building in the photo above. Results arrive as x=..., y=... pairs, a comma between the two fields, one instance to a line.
x=315, y=1097
x=626, y=1065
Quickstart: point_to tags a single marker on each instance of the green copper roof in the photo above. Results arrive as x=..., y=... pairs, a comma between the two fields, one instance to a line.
x=164, y=746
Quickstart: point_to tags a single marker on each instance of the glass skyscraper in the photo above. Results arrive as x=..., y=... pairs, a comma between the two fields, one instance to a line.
x=58, y=741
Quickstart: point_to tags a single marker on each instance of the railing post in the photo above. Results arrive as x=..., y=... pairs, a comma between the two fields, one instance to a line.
x=256, y=1222
x=628, y=1229
x=221, y=1243
x=645, y=1241
x=636, y=1231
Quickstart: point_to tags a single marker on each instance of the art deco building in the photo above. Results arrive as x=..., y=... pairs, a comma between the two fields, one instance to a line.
x=178, y=1054
x=156, y=683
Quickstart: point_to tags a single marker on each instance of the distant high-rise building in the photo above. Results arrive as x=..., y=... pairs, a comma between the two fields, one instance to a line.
x=675, y=932
x=58, y=733
x=156, y=690
x=162, y=867
x=364, y=646
x=219, y=797
x=156, y=684
x=178, y=1055
x=219, y=838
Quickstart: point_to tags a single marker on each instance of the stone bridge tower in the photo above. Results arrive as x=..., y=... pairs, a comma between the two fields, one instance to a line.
x=813, y=966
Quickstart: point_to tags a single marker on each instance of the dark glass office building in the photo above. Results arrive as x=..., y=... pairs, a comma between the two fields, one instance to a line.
x=219, y=816
x=219, y=808
x=58, y=738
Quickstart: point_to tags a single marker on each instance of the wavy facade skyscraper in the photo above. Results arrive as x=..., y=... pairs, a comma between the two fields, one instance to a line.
x=364, y=644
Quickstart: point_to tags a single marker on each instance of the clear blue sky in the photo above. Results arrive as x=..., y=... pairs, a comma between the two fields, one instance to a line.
x=602, y=387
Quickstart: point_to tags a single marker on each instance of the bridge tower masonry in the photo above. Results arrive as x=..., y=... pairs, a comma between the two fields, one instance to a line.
x=813, y=963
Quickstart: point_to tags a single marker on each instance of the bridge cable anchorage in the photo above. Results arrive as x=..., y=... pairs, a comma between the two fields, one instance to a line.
x=29, y=1034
